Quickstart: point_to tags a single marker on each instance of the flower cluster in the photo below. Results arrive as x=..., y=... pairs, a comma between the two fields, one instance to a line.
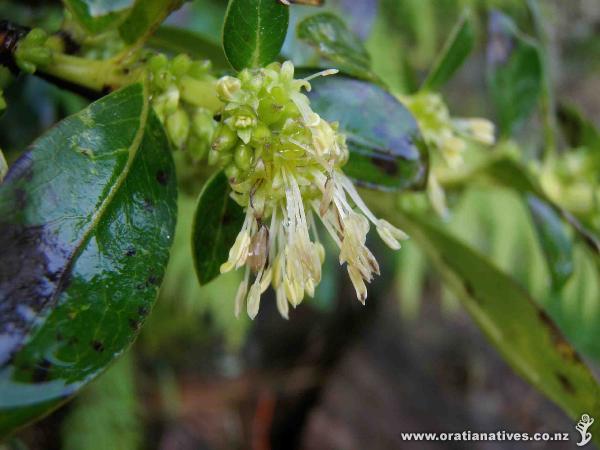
x=182, y=96
x=447, y=135
x=571, y=180
x=284, y=165
x=444, y=133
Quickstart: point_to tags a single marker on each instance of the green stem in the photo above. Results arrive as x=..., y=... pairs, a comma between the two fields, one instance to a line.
x=96, y=75
x=103, y=76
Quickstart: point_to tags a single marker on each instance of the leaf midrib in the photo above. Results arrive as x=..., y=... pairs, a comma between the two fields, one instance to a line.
x=257, y=47
x=97, y=216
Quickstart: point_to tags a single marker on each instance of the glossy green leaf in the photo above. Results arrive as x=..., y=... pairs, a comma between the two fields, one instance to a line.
x=515, y=73
x=555, y=242
x=96, y=16
x=386, y=147
x=178, y=40
x=577, y=129
x=145, y=17
x=456, y=50
x=217, y=222
x=254, y=32
x=330, y=36
x=86, y=222
x=523, y=333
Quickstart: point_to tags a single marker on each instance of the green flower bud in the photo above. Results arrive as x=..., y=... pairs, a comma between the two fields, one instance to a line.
x=261, y=134
x=280, y=95
x=243, y=156
x=162, y=79
x=287, y=72
x=56, y=44
x=168, y=102
x=39, y=56
x=158, y=62
x=255, y=83
x=36, y=37
x=203, y=124
x=231, y=171
x=32, y=52
x=224, y=139
x=200, y=69
x=26, y=67
x=197, y=148
x=224, y=159
x=213, y=157
x=178, y=127
x=289, y=151
x=200, y=92
x=290, y=110
x=180, y=65
x=244, y=76
x=269, y=110
x=276, y=66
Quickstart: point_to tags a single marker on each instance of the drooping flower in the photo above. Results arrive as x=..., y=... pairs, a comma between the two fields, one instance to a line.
x=284, y=164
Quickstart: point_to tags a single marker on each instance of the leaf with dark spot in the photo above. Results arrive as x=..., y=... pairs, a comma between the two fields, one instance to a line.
x=566, y=384
x=68, y=275
x=98, y=346
x=162, y=177
x=524, y=334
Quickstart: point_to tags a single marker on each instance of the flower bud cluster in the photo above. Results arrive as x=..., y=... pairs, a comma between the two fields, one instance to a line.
x=571, y=180
x=34, y=50
x=447, y=135
x=267, y=124
x=444, y=133
x=184, y=100
x=284, y=164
